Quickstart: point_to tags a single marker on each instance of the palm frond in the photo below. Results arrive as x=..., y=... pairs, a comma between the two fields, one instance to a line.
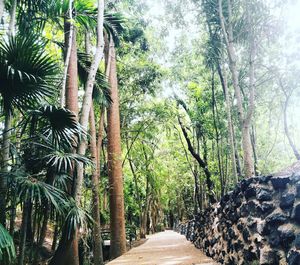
x=7, y=247
x=76, y=218
x=63, y=162
x=114, y=24
x=101, y=91
x=27, y=73
x=36, y=191
x=59, y=125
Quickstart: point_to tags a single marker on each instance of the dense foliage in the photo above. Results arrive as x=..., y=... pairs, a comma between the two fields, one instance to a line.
x=205, y=90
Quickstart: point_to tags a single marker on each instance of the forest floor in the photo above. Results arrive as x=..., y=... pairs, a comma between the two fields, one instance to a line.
x=165, y=248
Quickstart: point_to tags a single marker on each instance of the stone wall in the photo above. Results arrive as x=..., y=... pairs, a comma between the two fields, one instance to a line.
x=257, y=223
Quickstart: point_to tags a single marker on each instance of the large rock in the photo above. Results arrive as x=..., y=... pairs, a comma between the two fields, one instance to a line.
x=269, y=257
x=297, y=242
x=287, y=201
x=293, y=258
x=264, y=195
x=280, y=182
x=250, y=192
x=287, y=236
x=276, y=219
x=296, y=213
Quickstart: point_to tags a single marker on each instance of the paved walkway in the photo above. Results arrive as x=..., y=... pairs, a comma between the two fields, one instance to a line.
x=165, y=248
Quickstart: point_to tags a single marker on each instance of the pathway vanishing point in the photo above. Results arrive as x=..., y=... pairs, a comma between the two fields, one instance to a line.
x=165, y=248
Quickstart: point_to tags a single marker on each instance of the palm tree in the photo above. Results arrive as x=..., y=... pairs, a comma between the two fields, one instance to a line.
x=27, y=75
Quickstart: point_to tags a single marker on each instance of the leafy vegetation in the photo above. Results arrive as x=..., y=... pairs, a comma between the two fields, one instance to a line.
x=133, y=115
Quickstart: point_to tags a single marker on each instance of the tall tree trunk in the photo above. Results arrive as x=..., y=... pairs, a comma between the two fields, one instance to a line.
x=244, y=120
x=116, y=195
x=2, y=6
x=197, y=198
x=145, y=211
x=217, y=133
x=23, y=234
x=285, y=122
x=253, y=143
x=87, y=98
x=97, y=248
x=224, y=84
x=5, y=166
x=67, y=251
x=69, y=34
x=12, y=21
x=71, y=91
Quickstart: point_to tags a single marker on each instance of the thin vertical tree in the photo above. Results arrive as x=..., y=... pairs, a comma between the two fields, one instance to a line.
x=244, y=118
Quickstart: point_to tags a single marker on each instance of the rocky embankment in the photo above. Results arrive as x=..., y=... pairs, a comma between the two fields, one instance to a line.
x=257, y=223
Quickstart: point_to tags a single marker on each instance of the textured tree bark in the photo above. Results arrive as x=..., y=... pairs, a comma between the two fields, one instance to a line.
x=97, y=248
x=67, y=251
x=68, y=29
x=244, y=120
x=71, y=91
x=116, y=195
x=87, y=98
x=5, y=164
x=224, y=84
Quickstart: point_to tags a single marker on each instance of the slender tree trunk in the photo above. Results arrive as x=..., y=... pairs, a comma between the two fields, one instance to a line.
x=197, y=199
x=87, y=98
x=70, y=100
x=253, y=143
x=69, y=30
x=145, y=212
x=5, y=165
x=286, y=127
x=142, y=235
x=217, y=133
x=202, y=163
x=23, y=234
x=55, y=234
x=12, y=21
x=244, y=120
x=138, y=197
x=2, y=5
x=97, y=249
x=224, y=83
x=116, y=195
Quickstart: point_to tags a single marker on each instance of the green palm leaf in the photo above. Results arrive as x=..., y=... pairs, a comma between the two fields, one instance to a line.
x=76, y=218
x=59, y=125
x=30, y=188
x=7, y=248
x=27, y=73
